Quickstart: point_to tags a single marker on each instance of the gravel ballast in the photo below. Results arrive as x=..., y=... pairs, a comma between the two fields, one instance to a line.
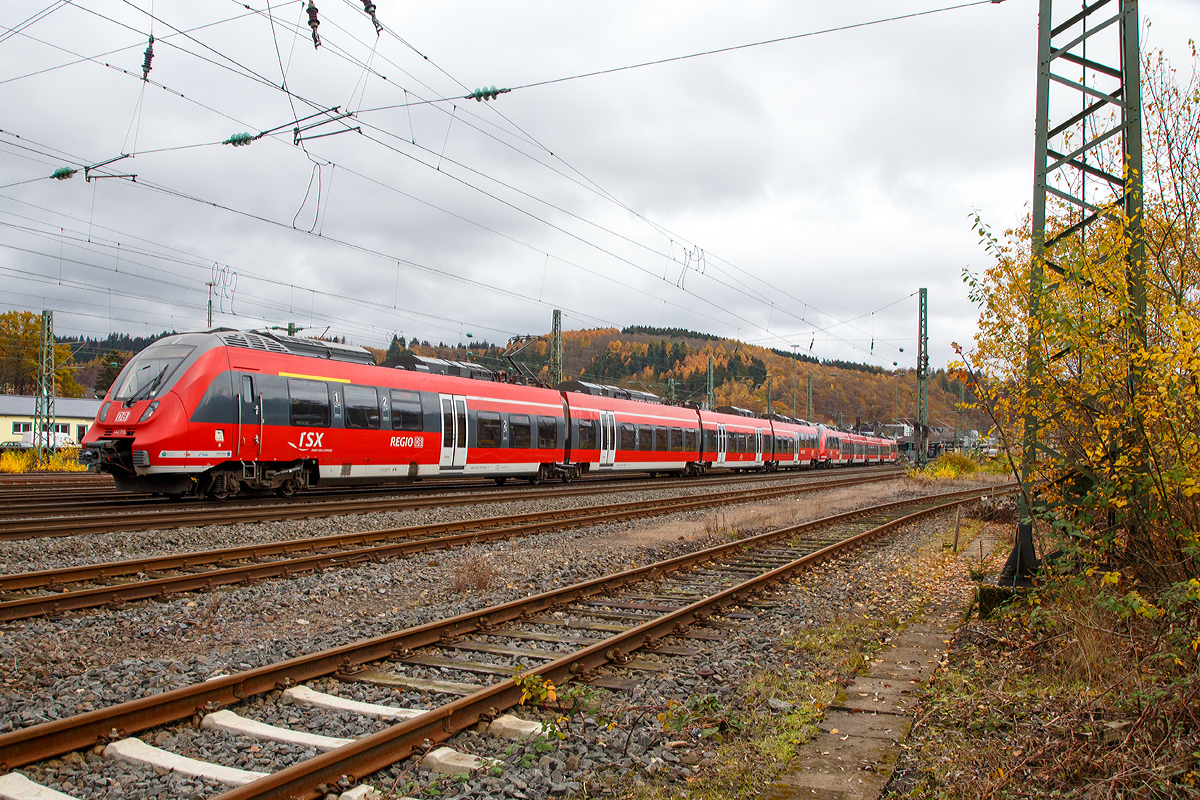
x=54, y=668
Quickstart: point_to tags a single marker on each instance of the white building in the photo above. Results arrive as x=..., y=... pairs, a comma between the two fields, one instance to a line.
x=72, y=416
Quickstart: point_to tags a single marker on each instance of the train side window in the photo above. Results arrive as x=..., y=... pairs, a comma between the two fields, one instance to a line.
x=447, y=422
x=677, y=439
x=487, y=429
x=689, y=440
x=308, y=403
x=362, y=407
x=547, y=433
x=645, y=437
x=587, y=434
x=518, y=431
x=628, y=436
x=406, y=411
x=662, y=440
x=710, y=441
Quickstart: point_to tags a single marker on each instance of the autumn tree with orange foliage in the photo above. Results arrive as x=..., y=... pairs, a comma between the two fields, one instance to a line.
x=1120, y=466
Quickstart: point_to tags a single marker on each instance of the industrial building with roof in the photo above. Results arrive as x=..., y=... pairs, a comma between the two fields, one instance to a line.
x=72, y=416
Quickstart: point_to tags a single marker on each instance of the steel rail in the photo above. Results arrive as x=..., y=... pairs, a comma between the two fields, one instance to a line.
x=18, y=506
x=50, y=739
x=197, y=516
x=361, y=757
x=472, y=530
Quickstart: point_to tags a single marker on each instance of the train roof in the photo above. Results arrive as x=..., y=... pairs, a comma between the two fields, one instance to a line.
x=294, y=345
x=603, y=390
x=440, y=366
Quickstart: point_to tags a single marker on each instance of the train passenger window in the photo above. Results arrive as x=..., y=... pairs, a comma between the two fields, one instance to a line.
x=710, y=441
x=547, y=433
x=677, y=439
x=447, y=422
x=587, y=434
x=628, y=436
x=362, y=407
x=518, y=431
x=662, y=441
x=487, y=429
x=406, y=411
x=645, y=437
x=308, y=403
x=689, y=441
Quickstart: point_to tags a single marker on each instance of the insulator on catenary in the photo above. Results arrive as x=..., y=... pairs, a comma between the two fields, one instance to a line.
x=240, y=139
x=486, y=93
x=148, y=58
x=313, y=22
x=62, y=173
x=369, y=7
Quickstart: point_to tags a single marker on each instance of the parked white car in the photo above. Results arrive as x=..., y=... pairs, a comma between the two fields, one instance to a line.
x=54, y=441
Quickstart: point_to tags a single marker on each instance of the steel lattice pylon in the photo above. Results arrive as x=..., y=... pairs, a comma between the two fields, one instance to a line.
x=1088, y=99
x=43, y=403
x=556, y=350
x=921, y=433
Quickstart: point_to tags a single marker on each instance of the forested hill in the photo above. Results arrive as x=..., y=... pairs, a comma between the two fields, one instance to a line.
x=648, y=358
x=641, y=357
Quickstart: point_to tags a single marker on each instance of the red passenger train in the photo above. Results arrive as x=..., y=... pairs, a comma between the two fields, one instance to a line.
x=224, y=411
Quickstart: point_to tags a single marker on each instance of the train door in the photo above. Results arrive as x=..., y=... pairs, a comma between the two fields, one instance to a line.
x=721, y=440
x=608, y=438
x=795, y=448
x=454, y=431
x=758, y=444
x=249, y=435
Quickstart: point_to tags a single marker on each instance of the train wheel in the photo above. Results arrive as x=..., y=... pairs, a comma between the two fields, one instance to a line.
x=500, y=480
x=224, y=486
x=286, y=489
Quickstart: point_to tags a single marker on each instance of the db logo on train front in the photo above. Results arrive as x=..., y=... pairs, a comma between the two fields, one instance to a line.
x=408, y=441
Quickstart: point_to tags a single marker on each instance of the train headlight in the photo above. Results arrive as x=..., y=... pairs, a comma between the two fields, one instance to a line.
x=149, y=411
x=103, y=412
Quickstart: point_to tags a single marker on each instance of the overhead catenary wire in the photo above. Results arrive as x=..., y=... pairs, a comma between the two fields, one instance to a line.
x=291, y=95
x=202, y=145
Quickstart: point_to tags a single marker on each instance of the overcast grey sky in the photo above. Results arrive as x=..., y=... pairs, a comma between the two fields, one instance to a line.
x=779, y=194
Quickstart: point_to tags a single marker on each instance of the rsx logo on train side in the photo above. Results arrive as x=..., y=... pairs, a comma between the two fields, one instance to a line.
x=311, y=440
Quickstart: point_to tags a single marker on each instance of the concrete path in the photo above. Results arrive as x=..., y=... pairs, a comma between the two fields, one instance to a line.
x=853, y=755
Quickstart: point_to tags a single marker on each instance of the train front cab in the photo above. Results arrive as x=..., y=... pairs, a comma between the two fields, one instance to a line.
x=141, y=433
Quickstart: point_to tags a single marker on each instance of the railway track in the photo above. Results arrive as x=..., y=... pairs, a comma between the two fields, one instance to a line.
x=56, y=591
x=568, y=635
x=51, y=522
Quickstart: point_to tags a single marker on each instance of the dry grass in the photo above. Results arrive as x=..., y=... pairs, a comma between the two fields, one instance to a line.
x=1061, y=695
x=66, y=460
x=474, y=570
x=16, y=461
x=19, y=461
x=744, y=520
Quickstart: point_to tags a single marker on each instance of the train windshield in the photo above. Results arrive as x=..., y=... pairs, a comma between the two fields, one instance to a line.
x=149, y=372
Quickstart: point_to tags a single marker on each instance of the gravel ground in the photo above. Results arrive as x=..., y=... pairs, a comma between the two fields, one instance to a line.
x=54, y=668
x=28, y=555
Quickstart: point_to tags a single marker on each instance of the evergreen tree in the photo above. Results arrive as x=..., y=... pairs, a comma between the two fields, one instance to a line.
x=114, y=362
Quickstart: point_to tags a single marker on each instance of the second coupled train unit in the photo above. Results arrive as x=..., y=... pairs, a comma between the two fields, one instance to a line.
x=224, y=411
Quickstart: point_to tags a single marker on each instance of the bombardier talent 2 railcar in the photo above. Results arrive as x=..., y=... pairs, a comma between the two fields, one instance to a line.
x=224, y=411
